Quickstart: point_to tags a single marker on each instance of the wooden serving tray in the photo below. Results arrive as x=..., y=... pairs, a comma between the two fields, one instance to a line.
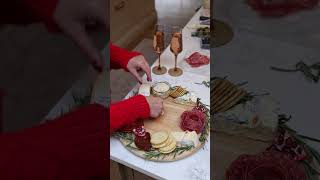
x=169, y=121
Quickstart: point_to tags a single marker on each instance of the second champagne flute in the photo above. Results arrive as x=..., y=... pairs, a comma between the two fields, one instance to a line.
x=176, y=47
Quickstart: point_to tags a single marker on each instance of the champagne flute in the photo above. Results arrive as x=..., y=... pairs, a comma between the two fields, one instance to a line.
x=176, y=46
x=158, y=47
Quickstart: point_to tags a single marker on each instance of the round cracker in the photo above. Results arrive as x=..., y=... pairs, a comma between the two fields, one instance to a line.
x=159, y=137
x=164, y=144
x=169, y=147
x=168, y=151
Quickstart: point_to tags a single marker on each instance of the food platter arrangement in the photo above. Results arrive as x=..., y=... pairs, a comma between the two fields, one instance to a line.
x=181, y=130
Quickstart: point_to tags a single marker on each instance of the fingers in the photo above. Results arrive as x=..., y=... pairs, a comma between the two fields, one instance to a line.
x=134, y=72
x=146, y=68
x=78, y=34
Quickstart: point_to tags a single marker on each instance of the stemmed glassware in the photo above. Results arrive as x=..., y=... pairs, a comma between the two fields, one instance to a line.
x=176, y=47
x=158, y=47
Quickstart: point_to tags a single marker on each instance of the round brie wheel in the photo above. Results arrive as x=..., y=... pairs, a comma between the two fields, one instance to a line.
x=161, y=87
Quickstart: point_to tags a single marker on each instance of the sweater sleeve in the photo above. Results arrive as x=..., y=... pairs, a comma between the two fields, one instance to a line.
x=120, y=57
x=43, y=9
x=127, y=111
x=74, y=146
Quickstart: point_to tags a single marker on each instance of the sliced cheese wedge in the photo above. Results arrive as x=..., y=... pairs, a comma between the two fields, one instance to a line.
x=190, y=138
x=145, y=89
x=178, y=136
x=186, y=138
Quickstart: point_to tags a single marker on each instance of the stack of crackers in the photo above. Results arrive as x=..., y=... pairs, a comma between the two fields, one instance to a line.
x=178, y=92
x=224, y=95
x=164, y=142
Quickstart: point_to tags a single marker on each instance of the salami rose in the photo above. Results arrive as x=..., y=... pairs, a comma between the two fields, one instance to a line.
x=266, y=165
x=143, y=142
x=139, y=131
x=192, y=121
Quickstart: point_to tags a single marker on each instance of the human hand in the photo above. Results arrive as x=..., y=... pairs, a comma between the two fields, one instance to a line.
x=156, y=106
x=136, y=64
x=74, y=17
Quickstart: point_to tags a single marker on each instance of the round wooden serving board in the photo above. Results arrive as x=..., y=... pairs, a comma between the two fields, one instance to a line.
x=170, y=122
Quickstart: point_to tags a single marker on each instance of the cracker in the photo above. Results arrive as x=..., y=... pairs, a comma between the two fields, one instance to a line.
x=169, y=147
x=164, y=144
x=159, y=137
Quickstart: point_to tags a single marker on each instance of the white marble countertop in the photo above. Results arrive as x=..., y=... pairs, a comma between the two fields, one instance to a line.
x=250, y=54
x=196, y=166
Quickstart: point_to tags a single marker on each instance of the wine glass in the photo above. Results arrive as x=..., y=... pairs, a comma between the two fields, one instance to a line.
x=158, y=47
x=176, y=46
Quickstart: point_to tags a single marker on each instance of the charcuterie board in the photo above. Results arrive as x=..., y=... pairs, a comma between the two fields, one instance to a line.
x=180, y=143
x=169, y=122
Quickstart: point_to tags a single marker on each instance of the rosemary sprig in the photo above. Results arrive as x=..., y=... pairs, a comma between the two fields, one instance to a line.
x=152, y=154
x=205, y=132
x=304, y=68
x=205, y=83
x=126, y=136
x=155, y=154
x=206, y=129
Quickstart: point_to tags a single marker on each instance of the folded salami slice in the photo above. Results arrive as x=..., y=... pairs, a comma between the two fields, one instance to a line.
x=196, y=60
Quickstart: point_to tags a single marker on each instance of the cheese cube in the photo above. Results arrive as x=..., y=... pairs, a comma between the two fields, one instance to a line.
x=145, y=89
x=178, y=136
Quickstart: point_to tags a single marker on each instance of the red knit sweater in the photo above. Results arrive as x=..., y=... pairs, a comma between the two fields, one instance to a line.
x=129, y=110
x=74, y=146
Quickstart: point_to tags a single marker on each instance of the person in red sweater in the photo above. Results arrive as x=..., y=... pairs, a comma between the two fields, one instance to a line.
x=137, y=107
x=74, y=146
